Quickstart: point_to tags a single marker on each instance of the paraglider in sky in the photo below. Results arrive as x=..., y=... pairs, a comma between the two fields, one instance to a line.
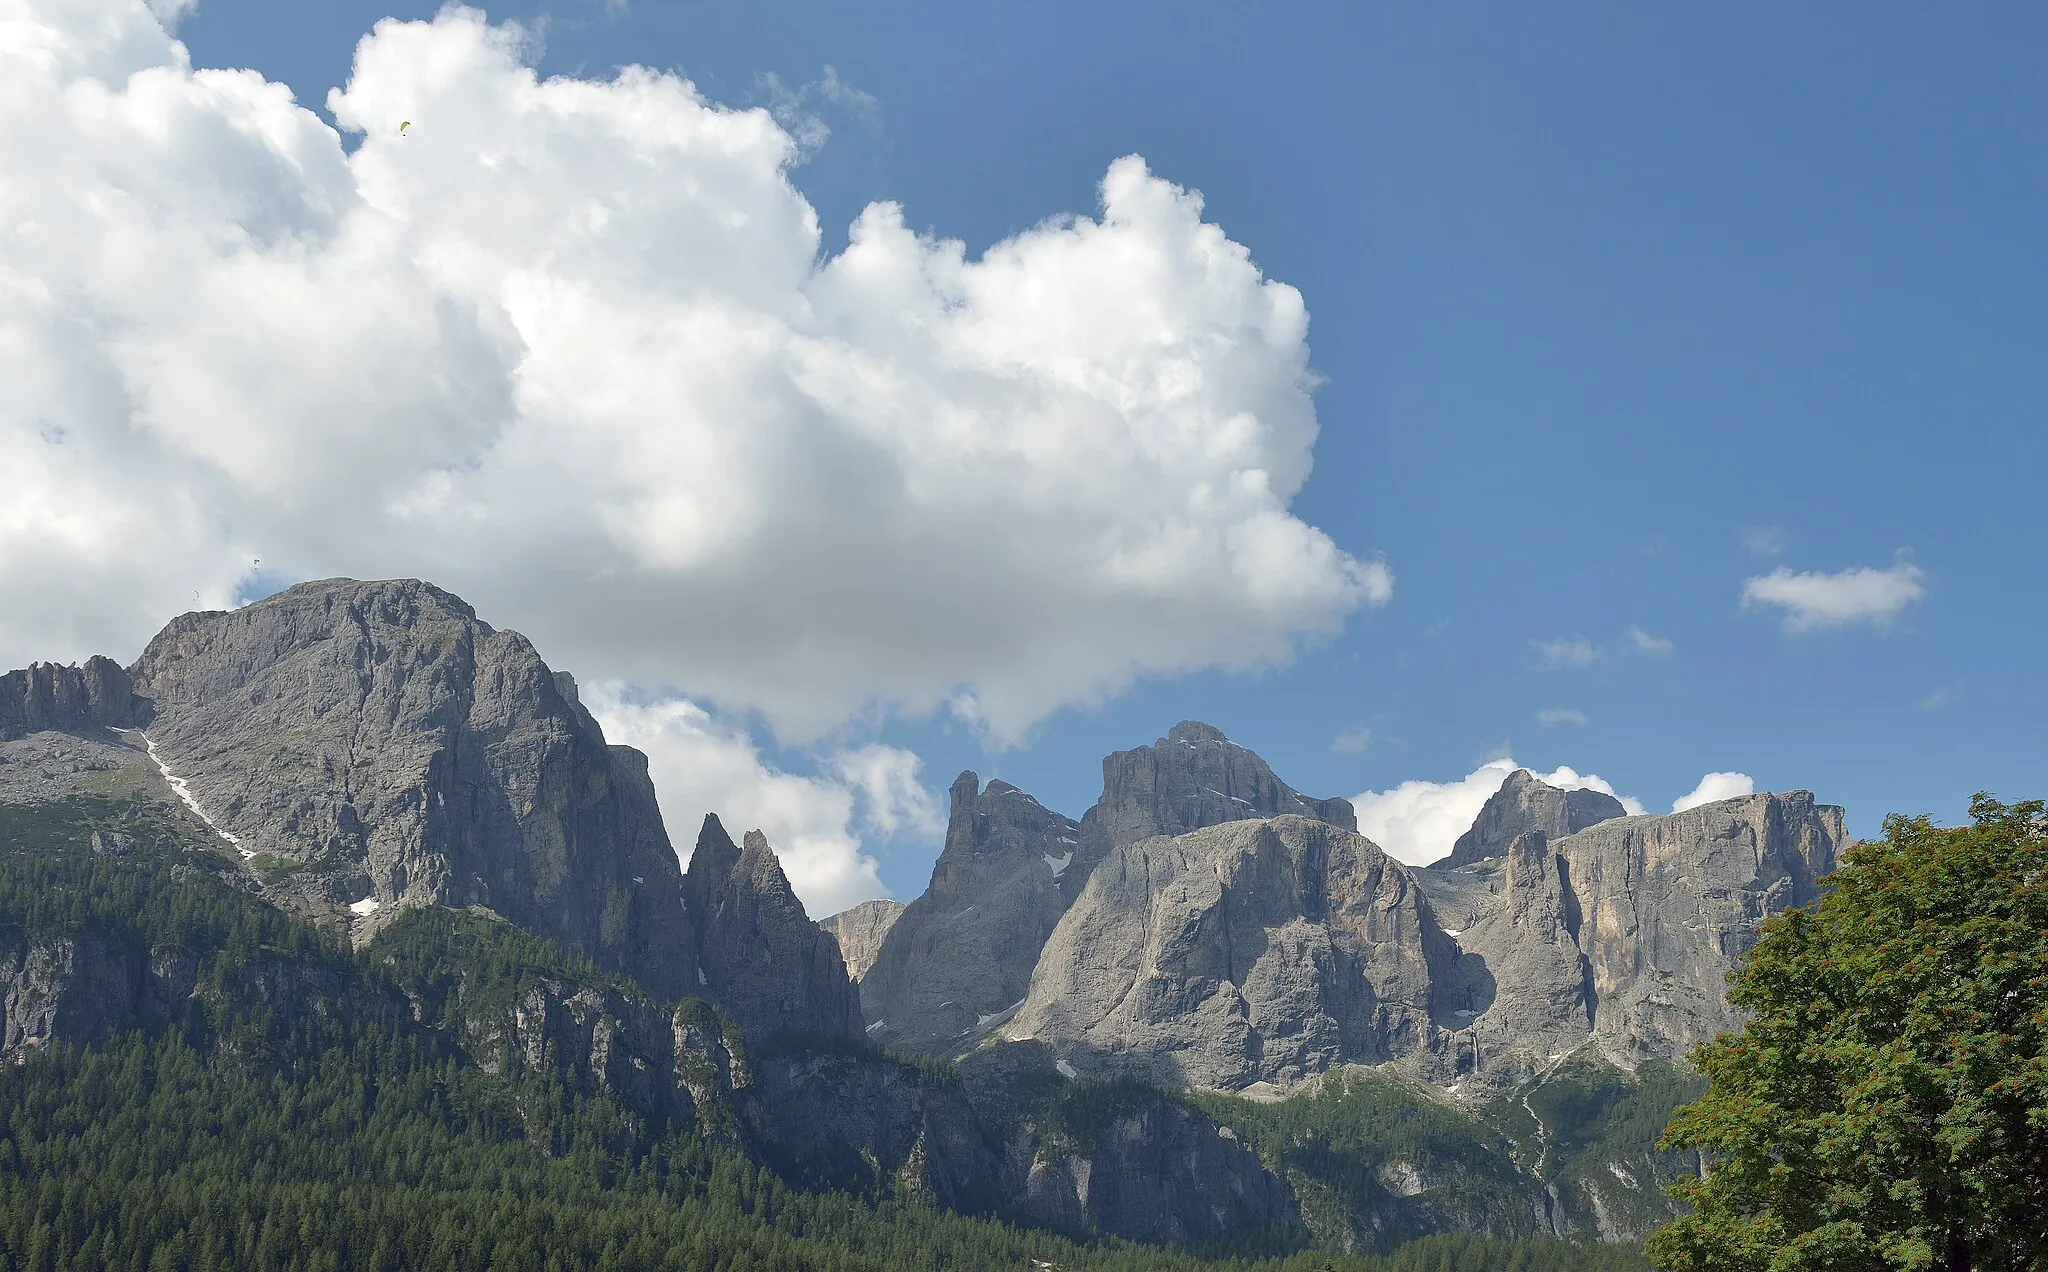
x=403, y=124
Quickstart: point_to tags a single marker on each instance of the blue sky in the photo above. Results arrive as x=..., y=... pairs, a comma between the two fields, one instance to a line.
x=1613, y=308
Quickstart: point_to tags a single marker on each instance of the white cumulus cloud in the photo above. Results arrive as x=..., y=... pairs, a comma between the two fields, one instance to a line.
x=1417, y=822
x=1812, y=599
x=1568, y=654
x=700, y=766
x=570, y=348
x=1715, y=786
x=894, y=800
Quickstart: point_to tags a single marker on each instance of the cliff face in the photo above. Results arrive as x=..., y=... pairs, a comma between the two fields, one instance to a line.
x=398, y=752
x=760, y=956
x=1623, y=934
x=1262, y=951
x=962, y=954
x=960, y=958
x=1524, y=805
x=46, y=697
x=1670, y=904
x=860, y=931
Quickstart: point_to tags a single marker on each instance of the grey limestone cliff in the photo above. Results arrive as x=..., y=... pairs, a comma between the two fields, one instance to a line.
x=1525, y=804
x=394, y=751
x=1256, y=951
x=1622, y=935
x=961, y=955
x=960, y=958
x=761, y=957
x=860, y=931
x=1272, y=951
x=47, y=697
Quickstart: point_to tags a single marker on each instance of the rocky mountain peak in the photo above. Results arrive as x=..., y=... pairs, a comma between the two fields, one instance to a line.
x=1192, y=777
x=1523, y=804
x=1192, y=732
x=759, y=954
x=383, y=748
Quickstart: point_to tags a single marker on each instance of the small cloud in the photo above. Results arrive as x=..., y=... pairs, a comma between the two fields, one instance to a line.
x=1643, y=643
x=1437, y=628
x=791, y=107
x=1814, y=600
x=1352, y=741
x=1938, y=699
x=1715, y=786
x=892, y=798
x=1549, y=717
x=864, y=106
x=1765, y=541
x=1561, y=655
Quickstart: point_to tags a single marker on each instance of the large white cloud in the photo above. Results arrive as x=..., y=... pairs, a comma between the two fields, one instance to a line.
x=701, y=766
x=569, y=347
x=1813, y=599
x=1715, y=786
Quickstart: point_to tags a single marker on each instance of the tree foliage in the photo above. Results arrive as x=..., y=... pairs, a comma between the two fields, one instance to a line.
x=1887, y=1104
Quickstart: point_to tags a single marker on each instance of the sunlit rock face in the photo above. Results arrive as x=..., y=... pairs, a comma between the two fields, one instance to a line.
x=400, y=752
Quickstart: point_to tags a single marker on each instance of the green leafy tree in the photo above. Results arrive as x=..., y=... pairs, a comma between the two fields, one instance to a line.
x=1887, y=1105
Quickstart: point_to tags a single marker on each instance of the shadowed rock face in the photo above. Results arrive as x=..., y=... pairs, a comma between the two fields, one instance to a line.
x=407, y=753
x=762, y=958
x=1525, y=804
x=47, y=697
x=964, y=950
x=860, y=931
x=1257, y=951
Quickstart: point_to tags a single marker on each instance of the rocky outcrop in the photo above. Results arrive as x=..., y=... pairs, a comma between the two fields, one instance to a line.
x=84, y=987
x=859, y=1122
x=761, y=958
x=672, y=1064
x=1523, y=805
x=1156, y=1171
x=1191, y=778
x=961, y=955
x=1257, y=951
x=860, y=932
x=403, y=753
x=1623, y=934
x=46, y=697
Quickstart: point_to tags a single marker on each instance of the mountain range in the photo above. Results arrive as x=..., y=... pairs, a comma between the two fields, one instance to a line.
x=1206, y=1010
